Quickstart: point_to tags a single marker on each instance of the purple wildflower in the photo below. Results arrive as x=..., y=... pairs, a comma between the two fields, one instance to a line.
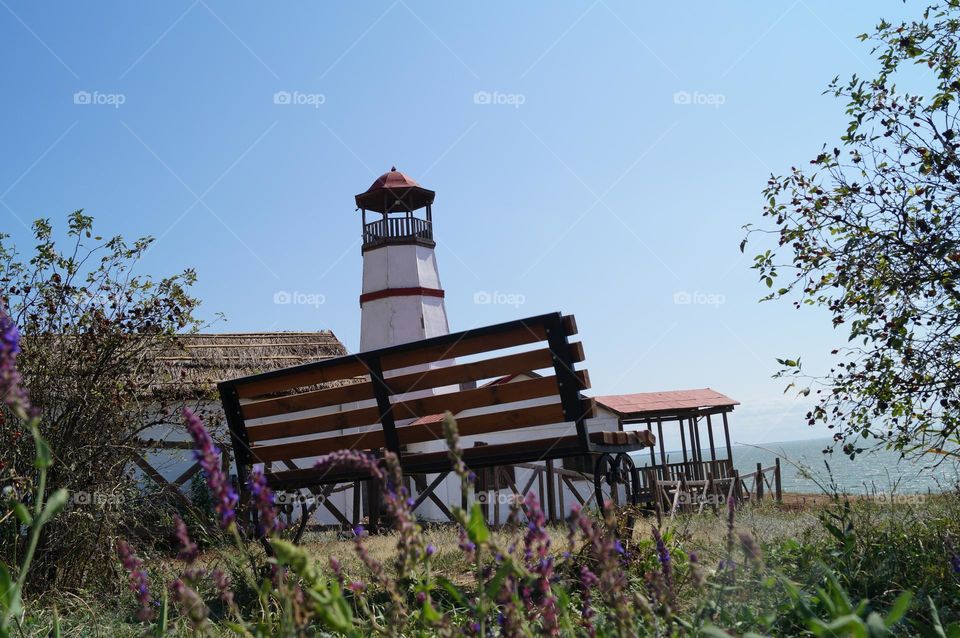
x=955, y=564
x=208, y=455
x=467, y=546
x=430, y=550
x=666, y=564
x=222, y=582
x=696, y=570
x=262, y=500
x=138, y=580
x=188, y=549
x=337, y=569
x=588, y=580
x=12, y=392
x=750, y=548
x=191, y=604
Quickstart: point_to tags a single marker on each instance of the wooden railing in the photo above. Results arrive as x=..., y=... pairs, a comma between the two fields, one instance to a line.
x=691, y=470
x=389, y=228
x=715, y=490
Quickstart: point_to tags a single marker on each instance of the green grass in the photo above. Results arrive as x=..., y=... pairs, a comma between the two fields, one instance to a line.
x=876, y=550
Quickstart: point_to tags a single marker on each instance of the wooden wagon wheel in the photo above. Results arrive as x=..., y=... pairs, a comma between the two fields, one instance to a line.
x=616, y=471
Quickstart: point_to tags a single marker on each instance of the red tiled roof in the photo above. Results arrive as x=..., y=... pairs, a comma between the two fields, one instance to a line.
x=675, y=400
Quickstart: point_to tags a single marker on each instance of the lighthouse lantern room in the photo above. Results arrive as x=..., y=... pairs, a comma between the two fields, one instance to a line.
x=402, y=299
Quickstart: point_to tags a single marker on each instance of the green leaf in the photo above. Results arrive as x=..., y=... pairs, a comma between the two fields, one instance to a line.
x=44, y=458
x=430, y=614
x=161, y=626
x=714, y=632
x=9, y=594
x=55, y=632
x=477, y=526
x=22, y=514
x=454, y=591
x=57, y=501
x=899, y=609
x=497, y=581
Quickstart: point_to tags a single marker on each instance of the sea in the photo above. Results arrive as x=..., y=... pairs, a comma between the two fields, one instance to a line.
x=806, y=469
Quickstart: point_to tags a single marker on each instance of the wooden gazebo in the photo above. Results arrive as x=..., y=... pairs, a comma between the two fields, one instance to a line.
x=699, y=416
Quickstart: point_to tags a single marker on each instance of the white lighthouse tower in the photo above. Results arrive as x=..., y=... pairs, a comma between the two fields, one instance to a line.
x=401, y=299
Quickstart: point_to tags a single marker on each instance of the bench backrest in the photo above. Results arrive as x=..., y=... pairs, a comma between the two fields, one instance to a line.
x=375, y=400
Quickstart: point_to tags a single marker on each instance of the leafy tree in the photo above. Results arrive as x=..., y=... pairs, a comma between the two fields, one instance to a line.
x=870, y=231
x=91, y=329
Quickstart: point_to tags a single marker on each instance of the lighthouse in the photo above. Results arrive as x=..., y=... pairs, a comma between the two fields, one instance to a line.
x=401, y=299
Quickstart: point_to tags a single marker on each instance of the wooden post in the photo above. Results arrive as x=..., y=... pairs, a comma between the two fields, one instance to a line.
x=663, y=455
x=683, y=447
x=496, y=497
x=695, y=427
x=356, y=503
x=655, y=491
x=373, y=505
x=713, y=448
x=653, y=455
x=540, y=494
x=777, y=485
x=693, y=450
x=560, y=497
x=726, y=435
x=483, y=488
x=551, y=493
x=759, y=482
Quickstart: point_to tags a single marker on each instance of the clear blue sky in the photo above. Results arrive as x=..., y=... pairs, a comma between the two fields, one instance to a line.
x=585, y=185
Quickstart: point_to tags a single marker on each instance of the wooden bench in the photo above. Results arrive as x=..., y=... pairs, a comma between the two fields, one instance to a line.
x=382, y=400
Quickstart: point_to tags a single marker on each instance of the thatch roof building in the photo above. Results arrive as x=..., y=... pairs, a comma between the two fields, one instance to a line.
x=199, y=361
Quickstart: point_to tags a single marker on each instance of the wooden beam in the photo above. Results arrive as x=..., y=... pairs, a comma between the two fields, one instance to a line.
x=726, y=436
x=713, y=449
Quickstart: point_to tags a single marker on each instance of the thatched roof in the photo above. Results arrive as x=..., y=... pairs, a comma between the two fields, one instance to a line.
x=201, y=360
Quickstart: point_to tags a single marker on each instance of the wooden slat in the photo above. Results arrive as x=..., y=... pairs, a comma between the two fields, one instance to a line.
x=485, y=423
x=354, y=392
x=410, y=382
x=317, y=447
x=349, y=368
x=468, y=345
x=421, y=433
x=477, y=398
x=314, y=424
x=410, y=409
x=466, y=372
x=570, y=325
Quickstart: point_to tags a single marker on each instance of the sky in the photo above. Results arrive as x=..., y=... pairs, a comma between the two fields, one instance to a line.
x=597, y=158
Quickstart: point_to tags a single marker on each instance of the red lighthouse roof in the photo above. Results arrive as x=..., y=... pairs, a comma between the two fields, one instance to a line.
x=394, y=192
